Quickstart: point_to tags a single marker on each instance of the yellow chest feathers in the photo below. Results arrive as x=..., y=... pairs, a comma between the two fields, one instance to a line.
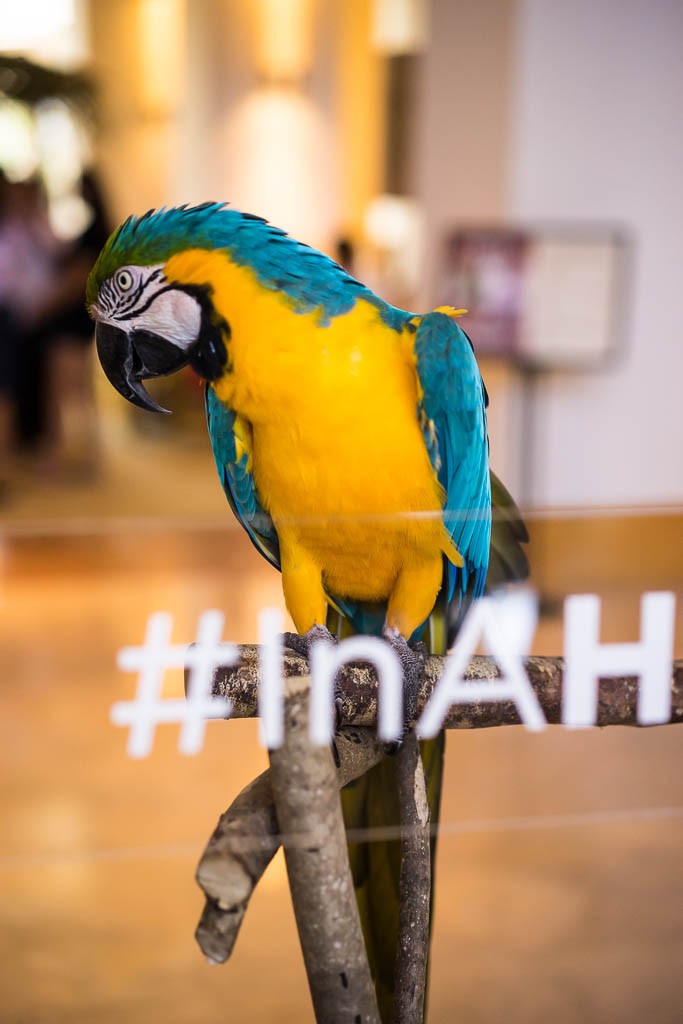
x=331, y=409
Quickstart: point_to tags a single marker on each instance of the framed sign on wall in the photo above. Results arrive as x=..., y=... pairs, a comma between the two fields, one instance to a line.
x=548, y=297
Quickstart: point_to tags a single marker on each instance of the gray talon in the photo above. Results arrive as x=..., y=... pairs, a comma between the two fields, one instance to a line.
x=338, y=707
x=413, y=662
x=301, y=643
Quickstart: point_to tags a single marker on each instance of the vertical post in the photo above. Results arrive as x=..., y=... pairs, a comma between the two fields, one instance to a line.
x=306, y=795
x=414, y=886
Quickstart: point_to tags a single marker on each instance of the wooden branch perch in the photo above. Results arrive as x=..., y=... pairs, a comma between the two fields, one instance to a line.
x=246, y=839
x=618, y=698
x=308, y=808
x=248, y=834
x=415, y=886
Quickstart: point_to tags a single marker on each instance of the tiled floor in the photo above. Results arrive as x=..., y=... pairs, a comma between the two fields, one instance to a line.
x=560, y=890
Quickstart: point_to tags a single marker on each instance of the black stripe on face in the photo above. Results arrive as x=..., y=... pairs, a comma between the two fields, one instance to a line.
x=145, y=306
x=130, y=299
x=114, y=302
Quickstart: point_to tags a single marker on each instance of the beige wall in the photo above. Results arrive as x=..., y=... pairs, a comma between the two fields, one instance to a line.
x=463, y=128
x=540, y=112
x=461, y=150
x=597, y=140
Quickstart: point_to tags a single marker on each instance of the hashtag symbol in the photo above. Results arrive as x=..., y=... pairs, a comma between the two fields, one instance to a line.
x=151, y=661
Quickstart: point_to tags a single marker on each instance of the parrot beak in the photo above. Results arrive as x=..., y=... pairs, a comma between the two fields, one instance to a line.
x=128, y=359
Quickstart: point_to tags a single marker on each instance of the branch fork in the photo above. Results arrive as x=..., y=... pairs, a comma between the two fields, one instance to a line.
x=296, y=803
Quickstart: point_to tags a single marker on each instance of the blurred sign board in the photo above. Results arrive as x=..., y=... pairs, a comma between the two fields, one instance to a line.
x=546, y=298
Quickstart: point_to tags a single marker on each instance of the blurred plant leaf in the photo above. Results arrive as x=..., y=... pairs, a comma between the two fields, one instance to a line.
x=31, y=83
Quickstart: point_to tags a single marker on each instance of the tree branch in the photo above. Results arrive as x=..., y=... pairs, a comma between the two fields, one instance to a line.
x=239, y=851
x=414, y=886
x=305, y=791
x=246, y=839
x=247, y=835
x=618, y=698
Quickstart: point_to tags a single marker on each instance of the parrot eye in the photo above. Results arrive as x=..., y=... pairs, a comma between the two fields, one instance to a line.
x=124, y=280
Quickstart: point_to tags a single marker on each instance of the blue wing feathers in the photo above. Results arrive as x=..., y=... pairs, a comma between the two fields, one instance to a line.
x=237, y=480
x=453, y=409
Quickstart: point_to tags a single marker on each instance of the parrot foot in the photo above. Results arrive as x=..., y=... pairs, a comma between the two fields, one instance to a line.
x=412, y=660
x=301, y=644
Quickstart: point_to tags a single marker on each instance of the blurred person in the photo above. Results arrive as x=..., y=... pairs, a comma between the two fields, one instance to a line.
x=72, y=438
x=7, y=395
x=28, y=250
x=345, y=252
x=7, y=345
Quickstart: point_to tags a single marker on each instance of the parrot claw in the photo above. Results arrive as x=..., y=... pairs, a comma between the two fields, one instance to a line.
x=412, y=660
x=338, y=720
x=301, y=643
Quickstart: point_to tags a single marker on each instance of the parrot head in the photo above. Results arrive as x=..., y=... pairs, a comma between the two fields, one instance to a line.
x=147, y=325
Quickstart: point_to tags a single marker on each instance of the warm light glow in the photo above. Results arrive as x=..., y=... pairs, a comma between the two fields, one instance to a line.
x=18, y=149
x=63, y=151
x=284, y=39
x=399, y=26
x=161, y=41
x=51, y=32
x=280, y=171
x=27, y=22
x=392, y=222
x=60, y=144
x=393, y=225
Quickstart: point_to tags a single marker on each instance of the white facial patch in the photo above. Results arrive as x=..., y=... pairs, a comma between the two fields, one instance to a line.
x=141, y=299
x=173, y=315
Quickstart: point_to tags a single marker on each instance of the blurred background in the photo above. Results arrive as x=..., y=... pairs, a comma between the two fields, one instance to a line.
x=520, y=158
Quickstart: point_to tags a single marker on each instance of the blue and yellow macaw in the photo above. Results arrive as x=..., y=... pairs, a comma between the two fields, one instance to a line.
x=350, y=438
